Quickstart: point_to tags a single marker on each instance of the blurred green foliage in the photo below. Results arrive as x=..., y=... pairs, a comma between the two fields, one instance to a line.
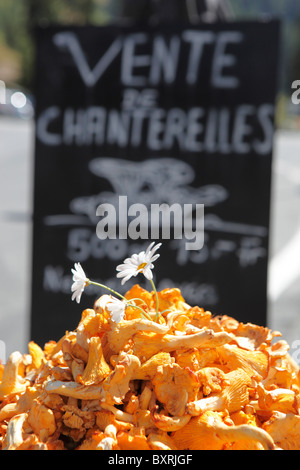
x=18, y=18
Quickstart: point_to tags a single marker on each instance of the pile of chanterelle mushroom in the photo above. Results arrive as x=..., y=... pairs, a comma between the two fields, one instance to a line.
x=186, y=381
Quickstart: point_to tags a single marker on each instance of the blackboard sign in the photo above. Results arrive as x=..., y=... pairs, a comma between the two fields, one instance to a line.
x=136, y=118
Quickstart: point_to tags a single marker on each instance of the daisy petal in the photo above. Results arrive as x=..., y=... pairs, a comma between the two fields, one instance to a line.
x=139, y=263
x=117, y=309
x=79, y=282
x=148, y=274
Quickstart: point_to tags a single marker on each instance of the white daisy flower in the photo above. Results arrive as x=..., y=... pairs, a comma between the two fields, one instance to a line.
x=80, y=281
x=139, y=263
x=117, y=309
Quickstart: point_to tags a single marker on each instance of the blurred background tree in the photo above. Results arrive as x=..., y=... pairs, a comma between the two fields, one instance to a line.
x=14, y=40
x=19, y=18
x=288, y=11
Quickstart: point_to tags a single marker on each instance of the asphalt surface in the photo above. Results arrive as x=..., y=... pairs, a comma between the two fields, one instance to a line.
x=16, y=160
x=16, y=177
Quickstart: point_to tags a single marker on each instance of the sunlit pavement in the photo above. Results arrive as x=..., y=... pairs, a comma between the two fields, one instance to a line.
x=284, y=271
x=16, y=177
x=16, y=160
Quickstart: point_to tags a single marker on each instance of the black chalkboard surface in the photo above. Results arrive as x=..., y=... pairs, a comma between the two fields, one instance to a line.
x=169, y=114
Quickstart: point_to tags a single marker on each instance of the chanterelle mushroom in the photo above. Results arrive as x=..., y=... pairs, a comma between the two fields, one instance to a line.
x=174, y=387
x=11, y=381
x=284, y=428
x=148, y=345
x=14, y=433
x=234, y=396
x=209, y=432
x=186, y=380
x=97, y=368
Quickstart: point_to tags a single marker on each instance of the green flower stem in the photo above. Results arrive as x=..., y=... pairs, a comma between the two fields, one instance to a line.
x=105, y=287
x=157, y=302
x=143, y=313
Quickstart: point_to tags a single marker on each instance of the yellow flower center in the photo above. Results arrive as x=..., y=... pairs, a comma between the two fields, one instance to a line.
x=141, y=266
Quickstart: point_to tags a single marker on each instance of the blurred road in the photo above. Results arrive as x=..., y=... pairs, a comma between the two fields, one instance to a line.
x=16, y=161
x=284, y=269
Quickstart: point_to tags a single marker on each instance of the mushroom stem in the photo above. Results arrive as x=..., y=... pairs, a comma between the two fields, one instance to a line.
x=119, y=414
x=75, y=390
x=245, y=432
x=169, y=423
x=11, y=381
x=14, y=430
x=212, y=403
